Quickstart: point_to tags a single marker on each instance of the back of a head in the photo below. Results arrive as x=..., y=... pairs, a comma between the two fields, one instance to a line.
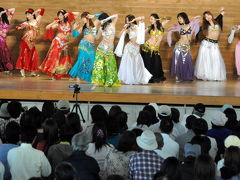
x=60, y=118
x=175, y=115
x=199, y=109
x=144, y=118
x=99, y=114
x=115, y=177
x=50, y=131
x=189, y=121
x=73, y=120
x=151, y=109
x=122, y=118
x=99, y=135
x=114, y=110
x=65, y=171
x=36, y=117
x=66, y=133
x=127, y=141
x=48, y=109
x=28, y=134
x=12, y=132
x=170, y=167
x=14, y=109
x=232, y=159
x=204, y=168
x=80, y=141
x=166, y=126
x=204, y=143
x=199, y=126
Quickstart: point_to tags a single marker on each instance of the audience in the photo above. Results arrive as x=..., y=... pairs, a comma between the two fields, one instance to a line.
x=2, y=170
x=170, y=168
x=65, y=171
x=177, y=126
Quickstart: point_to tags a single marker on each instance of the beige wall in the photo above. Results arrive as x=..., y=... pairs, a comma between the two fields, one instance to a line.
x=124, y=7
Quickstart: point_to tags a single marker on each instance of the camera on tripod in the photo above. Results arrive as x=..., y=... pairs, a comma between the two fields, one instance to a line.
x=76, y=88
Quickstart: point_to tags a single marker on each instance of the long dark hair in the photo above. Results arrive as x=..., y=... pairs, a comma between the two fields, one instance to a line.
x=4, y=17
x=158, y=23
x=84, y=15
x=130, y=17
x=184, y=16
x=102, y=17
x=50, y=131
x=30, y=11
x=206, y=23
x=232, y=159
x=62, y=11
x=99, y=135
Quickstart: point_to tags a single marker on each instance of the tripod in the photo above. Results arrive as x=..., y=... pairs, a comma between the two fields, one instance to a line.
x=76, y=106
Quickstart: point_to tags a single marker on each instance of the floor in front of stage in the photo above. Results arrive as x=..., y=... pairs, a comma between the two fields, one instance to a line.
x=167, y=92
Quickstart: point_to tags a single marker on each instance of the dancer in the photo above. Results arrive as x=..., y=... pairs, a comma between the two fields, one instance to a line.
x=182, y=68
x=57, y=62
x=210, y=64
x=28, y=58
x=105, y=66
x=6, y=63
x=237, y=49
x=132, y=69
x=150, y=50
x=84, y=64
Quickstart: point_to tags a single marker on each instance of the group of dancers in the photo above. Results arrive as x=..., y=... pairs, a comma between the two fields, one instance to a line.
x=140, y=60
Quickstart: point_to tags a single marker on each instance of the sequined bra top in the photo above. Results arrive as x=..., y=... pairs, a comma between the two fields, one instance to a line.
x=64, y=28
x=156, y=33
x=108, y=33
x=133, y=32
x=185, y=31
x=5, y=27
x=215, y=27
x=86, y=31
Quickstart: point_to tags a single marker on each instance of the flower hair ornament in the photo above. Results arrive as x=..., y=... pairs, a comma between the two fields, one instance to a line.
x=29, y=11
x=100, y=133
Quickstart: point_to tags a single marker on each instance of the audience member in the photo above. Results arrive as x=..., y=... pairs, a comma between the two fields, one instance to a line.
x=48, y=109
x=65, y=171
x=178, y=128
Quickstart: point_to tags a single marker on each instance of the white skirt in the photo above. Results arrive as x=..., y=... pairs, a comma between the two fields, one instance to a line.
x=132, y=69
x=210, y=64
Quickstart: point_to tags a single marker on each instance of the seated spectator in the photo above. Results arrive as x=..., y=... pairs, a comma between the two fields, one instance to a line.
x=204, y=168
x=2, y=170
x=61, y=151
x=99, y=148
x=170, y=147
x=204, y=142
x=4, y=117
x=65, y=171
x=50, y=135
x=219, y=132
x=12, y=135
x=179, y=128
x=160, y=143
x=73, y=120
x=231, y=119
x=143, y=120
x=60, y=118
x=63, y=106
x=186, y=137
x=186, y=169
x=113, y=111
x=86, y=167
x=117, y=160
x=231, y=166
x=160, y=175
x=48, y=109
x=25, y=161
x=115, y=177
x=145, y=164
x=151, y=109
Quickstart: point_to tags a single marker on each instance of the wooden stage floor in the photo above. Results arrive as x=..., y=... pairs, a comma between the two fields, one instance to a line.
x=168, y=92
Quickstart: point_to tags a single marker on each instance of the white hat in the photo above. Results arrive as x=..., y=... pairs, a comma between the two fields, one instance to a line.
x=226, y=106
x=232, y=141
x=3, y=111
x=155, y=106
x=147, y=140
x=63, y=105
x=219, y=118
x=165, y=110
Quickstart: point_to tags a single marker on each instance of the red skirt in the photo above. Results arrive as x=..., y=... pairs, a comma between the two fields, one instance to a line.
x=57, y=63
x=28, y=58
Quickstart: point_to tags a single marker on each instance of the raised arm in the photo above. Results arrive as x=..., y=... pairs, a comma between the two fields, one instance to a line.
x=114, y=19
x=21, y=26
x=10, y=13
x=165, y=20
x=219, y=18
x=176, y=28
x=233, y=30
x=53, y=25
x=39, y=13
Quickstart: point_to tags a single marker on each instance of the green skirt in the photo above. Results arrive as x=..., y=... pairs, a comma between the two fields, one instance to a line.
x=105, y=69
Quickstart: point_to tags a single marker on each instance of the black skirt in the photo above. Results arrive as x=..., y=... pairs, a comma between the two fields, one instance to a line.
x=153, y=64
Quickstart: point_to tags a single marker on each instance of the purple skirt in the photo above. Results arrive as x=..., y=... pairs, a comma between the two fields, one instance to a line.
x=6, y=63
x=182, y=67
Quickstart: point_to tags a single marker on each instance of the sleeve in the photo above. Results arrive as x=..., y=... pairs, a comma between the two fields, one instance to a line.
x=97, y=15
x=141, y=33
x=108, y=18
x=176, y=28
x=71, y=17
x=231, y=36
x=119, y=49
x=219, y=20
x=45, y=166
x=75, y=33
x=49, y=34
x=42, y=12
x=195, y=26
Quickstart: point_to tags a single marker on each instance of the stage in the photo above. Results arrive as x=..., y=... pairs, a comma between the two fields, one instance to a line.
x=168, y=92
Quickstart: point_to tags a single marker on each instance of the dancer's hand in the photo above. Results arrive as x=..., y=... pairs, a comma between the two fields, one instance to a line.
x=89, y=16
x=222, y=10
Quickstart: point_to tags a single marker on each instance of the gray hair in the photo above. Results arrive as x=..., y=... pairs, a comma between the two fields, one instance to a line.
x=80, y=141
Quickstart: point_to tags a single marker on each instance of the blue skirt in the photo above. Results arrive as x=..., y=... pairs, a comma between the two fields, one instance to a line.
x=84, y=65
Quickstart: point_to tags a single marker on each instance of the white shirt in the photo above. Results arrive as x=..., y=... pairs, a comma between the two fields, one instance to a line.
x=170, y=147
x=2, y=169
x=26, y=162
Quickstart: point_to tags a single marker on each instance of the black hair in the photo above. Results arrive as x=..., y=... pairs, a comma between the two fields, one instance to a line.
x=121, y=119
x=184, y=16
x=99, y=136
x=36, y=117
x=151, y=109
x=102, y=17
x=35, y=178
x=144, y=118
x=4, y=17
x=73, y=120
x=28, y=134
x=48, y=109
x=50, y=131
x=158, y=23
x=12, y=132
x=115, y=177
x=114, y=110
x=99, y=114
x=130, y=17
x=14, y=109
x=84, y=15
x=66, y=133
x=204, y=143
x=171, y=167
x=232, y=119
x=160, y=175
x=60, y=118
x=63, y=12
x=200, y=126
x=166, y=126
x=30, y=11
x=175, y=115
x=65, y=171
x=127, y=141
x=204, y=168
x=137, y=131
x=189, y=121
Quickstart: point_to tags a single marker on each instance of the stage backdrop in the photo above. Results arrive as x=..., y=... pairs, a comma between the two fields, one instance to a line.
x=123, y=8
